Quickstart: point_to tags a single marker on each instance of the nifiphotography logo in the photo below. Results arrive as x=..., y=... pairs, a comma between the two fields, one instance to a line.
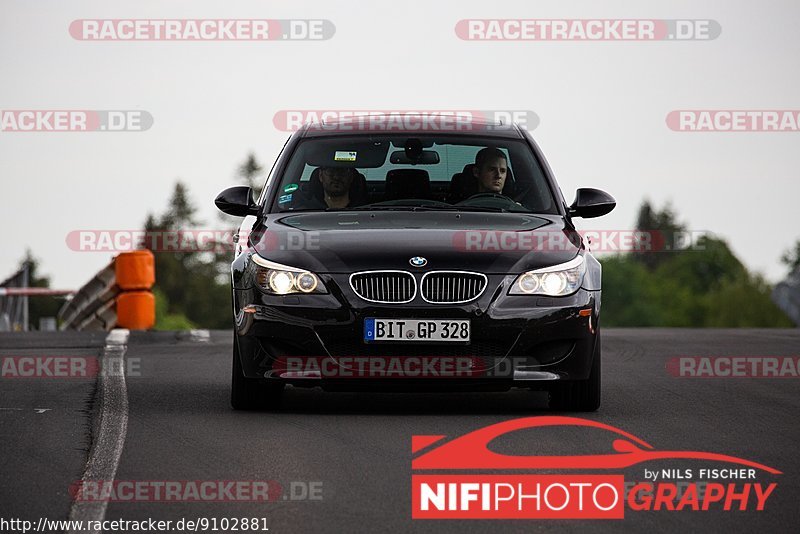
x=595, y=487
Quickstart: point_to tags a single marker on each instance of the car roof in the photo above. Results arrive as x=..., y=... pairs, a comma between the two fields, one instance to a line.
x=391, y=123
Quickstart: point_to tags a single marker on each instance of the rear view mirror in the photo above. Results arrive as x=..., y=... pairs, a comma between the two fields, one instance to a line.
x=424, y=157
x=591, y=203
x=237, y=201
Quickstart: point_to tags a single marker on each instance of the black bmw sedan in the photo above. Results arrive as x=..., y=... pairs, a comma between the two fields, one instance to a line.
x=409, y=259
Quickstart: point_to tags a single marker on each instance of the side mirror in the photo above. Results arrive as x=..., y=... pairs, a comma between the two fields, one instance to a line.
x=237, y=201
x=591, y=203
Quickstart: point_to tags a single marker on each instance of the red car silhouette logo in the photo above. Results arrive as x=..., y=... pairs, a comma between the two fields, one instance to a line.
x=471, y=451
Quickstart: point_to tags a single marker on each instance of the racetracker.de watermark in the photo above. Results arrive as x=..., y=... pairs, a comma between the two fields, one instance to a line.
x=289, y=120
x=58, y=366
x=220, y=241
x=74, y=120
x=734, y=366
x=195, y=491
x=595, y=240
x=190, y=240
x=587, y=29
x=202, y=29
x=411, y=366
x=734, y=120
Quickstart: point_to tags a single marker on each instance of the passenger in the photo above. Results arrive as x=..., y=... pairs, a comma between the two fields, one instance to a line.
x=490, y=170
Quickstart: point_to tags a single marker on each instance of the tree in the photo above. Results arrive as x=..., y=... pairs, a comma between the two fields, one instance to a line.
x=188, y=285
x=180, y=213
x=166, y=320
x=664, y=229
x=791, y=258
x=701, y=286
x=703, y=267
x=249, y=171
x=39, y=306
x=628, y=294
x=744, y=302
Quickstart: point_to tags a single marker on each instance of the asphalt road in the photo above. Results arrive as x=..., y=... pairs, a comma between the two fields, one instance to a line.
x=353, y=449
x=45, y=424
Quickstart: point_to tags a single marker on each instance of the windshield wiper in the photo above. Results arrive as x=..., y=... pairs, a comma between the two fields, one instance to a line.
x=401, y=207
x=368, y=208
x=397, y=207
x=413, y=207
x=480, y=208
x=297, y=210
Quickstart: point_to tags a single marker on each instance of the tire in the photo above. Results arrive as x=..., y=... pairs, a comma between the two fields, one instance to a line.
x=580, y=395
x=251, y=393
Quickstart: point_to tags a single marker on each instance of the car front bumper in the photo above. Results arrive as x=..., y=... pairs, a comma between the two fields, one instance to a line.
x=318, y=340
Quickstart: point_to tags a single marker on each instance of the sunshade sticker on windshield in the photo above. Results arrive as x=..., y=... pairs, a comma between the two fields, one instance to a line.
x=344, y=155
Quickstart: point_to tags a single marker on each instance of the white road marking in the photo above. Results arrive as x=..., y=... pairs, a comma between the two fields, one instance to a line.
x=113, y=425
x=200, y=336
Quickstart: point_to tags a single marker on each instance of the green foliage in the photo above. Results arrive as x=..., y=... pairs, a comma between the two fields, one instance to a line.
x=628, y=294
x=166, y=320
x=249, y=171
x=664, y=226
x=791, y=258
x=193, y=287
x=744, y=302
x=701, y=267
x=703, y=285
x=189, y=282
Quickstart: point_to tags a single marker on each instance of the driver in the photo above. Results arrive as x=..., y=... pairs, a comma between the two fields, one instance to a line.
x=490, y=170
x=336, y=182
x=335, y=185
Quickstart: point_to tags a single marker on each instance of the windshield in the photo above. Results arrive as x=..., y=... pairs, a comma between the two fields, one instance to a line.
x=425, y=173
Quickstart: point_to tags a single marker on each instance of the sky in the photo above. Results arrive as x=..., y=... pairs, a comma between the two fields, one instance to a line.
x=601, y=107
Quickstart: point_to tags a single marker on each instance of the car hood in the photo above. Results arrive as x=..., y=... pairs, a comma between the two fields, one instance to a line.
x=346, y=242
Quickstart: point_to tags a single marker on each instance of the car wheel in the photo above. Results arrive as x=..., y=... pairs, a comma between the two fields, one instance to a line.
x=580, y=395
x=251, y=393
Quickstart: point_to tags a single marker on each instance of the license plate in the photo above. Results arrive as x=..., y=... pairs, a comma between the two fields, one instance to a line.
x=426, y=330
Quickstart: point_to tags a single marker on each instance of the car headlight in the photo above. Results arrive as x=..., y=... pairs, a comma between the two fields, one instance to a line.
x=556, y=281
x=284, y=280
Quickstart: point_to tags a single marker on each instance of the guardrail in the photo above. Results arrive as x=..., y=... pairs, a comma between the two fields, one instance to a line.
x=33, y=292
x=117, y=296
x=14, y=308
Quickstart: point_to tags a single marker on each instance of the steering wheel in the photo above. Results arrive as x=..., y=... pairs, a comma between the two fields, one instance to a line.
x=493, y=200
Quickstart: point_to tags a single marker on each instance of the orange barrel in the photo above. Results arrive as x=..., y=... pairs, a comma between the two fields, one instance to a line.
x=136, y=310
x=135, y=270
